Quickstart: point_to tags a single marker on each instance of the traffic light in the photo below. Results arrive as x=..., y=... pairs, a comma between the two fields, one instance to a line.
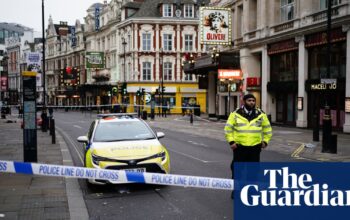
x=124, y=90
x=143, y=91
x=115, y=90
x=163, y=89
x=138, y=93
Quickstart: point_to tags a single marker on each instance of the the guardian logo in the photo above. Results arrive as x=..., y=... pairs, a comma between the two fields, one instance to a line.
x=294, y=190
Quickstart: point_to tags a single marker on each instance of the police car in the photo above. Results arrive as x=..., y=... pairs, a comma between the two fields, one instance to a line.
x=123, y=142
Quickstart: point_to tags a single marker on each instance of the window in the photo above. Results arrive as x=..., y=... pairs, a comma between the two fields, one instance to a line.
x=167, y=42
x=188, y=77
x=167, y=71
x=167, y=10
x=284, y=67
x=324, y=3
x=318, y=61
x=287, y=10
x=146, y=71
x=188, y=42
x=146, y=42
x=129, y=42
x=188, y=11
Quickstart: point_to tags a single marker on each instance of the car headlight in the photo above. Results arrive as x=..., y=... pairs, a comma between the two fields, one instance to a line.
x=161, y=154
x=96, y=159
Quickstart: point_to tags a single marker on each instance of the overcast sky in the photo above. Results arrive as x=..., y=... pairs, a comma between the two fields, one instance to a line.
x=28, y=12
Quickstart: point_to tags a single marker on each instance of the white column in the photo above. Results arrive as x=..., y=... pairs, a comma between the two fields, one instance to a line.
x=266, y=100
x=346, y=28
x=302, y=76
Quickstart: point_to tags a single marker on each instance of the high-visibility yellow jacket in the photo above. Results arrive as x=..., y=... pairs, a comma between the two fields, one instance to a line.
x=240, y=130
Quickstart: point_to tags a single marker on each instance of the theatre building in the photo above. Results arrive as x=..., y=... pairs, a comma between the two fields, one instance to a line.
x=283, y=44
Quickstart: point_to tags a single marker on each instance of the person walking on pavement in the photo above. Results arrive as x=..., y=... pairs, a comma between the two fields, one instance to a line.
x=247, y=131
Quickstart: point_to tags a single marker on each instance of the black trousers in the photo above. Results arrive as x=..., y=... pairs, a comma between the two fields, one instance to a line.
x=245, y=154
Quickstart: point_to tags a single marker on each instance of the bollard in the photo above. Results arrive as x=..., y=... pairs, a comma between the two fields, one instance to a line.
x=50, y=124
x=144, y=115
x=191, y=117
x=44, y=122
x=316, y=128
x=334, y=145
x=52, y=131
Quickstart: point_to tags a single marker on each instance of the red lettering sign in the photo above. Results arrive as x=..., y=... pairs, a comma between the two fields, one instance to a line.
x=211, y=36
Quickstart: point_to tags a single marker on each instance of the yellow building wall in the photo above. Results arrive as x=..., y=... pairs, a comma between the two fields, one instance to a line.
x=177, y=109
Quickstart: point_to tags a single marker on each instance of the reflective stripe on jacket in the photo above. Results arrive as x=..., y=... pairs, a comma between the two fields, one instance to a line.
x=248, y=133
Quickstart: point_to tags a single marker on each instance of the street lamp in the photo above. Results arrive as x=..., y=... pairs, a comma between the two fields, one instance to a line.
x=124, y=77
x=44, y=113
x=161, y=92
x=327, y=119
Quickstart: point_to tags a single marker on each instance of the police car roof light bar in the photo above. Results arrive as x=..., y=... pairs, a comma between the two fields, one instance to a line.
x=131, y=115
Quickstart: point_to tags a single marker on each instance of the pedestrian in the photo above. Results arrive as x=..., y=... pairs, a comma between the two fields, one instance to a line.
x=247, y=131
x=183, y=108
x=168, y=108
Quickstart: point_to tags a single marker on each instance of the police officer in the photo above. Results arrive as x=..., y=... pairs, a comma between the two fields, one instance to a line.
x=247, y=130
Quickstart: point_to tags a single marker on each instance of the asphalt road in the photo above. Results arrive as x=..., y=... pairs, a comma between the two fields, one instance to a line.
x=189, y=154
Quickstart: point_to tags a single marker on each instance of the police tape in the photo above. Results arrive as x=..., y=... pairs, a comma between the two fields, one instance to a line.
x=115, y=176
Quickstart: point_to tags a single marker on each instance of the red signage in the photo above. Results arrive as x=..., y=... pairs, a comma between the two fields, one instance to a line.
x=321, y=37
x=283, y=46
x=230, y=74
x=253, y=81
x=3, y=83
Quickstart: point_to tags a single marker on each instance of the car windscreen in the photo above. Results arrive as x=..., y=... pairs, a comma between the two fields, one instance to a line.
x=122, y=131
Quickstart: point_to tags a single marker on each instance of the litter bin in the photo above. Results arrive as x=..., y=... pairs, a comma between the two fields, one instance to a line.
x=144, y=115
x=197, y=110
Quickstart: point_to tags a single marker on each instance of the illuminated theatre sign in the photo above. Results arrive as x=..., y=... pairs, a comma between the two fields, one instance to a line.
x=215, y=25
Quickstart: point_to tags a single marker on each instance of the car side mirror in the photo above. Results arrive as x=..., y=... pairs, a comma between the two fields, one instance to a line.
x=83, y=139
x=160, y=134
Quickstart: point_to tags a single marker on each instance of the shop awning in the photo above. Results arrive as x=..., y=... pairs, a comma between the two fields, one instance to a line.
x=204, y=64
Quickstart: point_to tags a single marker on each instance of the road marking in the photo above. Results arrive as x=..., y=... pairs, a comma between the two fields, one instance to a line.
x=296, y=153
x=77, y=126
x=73, y=144
x=199, y=144
x=187, y=155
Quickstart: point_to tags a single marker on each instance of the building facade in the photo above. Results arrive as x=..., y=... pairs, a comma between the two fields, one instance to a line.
x=153, y=39
x=65, y=66
x=282, y=46
x=101, y=44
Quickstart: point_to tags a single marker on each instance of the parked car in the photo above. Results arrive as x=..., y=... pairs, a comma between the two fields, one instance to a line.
x=123, y=142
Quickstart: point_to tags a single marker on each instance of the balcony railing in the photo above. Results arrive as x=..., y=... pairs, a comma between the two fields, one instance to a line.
x=284, y=26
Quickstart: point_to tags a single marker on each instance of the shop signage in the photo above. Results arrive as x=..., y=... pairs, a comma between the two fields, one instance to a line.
x=94, y=60
x=215, y=25
x=347, y=104
x=321, y=37
x=229, y=74
x=300, y=103
x=70, y=76
x=282, y=46
x=253, y=81
x=323, y=86
x=3, y=83
x=97, y=18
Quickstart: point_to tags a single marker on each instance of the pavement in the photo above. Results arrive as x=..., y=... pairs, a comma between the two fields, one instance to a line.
x=37, y=197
